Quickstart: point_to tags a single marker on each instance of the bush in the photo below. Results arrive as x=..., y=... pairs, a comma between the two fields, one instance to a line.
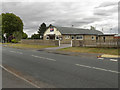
x=14, y=41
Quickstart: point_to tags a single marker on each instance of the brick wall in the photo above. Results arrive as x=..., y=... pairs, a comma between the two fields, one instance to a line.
x=40, y=42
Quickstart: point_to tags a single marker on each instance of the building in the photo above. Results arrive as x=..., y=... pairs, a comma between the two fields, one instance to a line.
x=117, y=36
x=66, y=34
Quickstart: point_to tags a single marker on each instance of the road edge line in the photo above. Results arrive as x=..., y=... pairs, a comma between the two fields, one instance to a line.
x=20, y=77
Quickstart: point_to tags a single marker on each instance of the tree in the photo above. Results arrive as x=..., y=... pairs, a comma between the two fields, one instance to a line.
x=24, y=36
x=42, y=29
x=35, y=36
x=92, y=28
x=12, y=24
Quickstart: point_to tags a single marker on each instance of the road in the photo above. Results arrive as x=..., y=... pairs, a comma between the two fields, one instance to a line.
x=11, y=81
x=49, y=70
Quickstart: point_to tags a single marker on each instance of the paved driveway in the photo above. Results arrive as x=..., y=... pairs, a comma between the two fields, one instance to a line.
x=61, y=46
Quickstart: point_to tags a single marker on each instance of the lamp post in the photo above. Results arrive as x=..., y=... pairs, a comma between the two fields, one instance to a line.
x=110, y=30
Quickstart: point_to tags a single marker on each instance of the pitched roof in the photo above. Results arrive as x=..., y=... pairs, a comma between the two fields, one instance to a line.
x=68, y=30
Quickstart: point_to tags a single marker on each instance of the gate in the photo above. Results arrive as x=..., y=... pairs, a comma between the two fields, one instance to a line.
x=65, y=44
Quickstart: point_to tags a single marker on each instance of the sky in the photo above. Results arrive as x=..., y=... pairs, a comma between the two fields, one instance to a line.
x=102, y=14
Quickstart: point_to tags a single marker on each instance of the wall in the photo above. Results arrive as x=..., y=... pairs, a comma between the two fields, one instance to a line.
x=66, y=41
x=40, y=42
x=88, y=43
x=107, y=38
x=56, y=32
x=85, y=37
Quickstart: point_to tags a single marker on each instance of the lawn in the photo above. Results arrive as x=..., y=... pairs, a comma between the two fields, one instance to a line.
x=28, y=46
x=111, y=51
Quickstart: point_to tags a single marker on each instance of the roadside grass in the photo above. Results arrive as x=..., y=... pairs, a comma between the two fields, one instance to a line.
x=111, y=51
x=28, y=46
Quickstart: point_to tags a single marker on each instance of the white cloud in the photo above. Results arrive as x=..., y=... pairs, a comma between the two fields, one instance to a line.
x=80, y=13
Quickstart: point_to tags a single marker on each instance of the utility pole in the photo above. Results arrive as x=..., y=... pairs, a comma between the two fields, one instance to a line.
x=110, y=30
x=72, y=25
x=102, y=29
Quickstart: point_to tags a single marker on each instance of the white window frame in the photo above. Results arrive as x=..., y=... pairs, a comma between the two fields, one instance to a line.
x=79, y=36
x=67, y=37
x=73, y=37
x=104, y=38
x=93, y=38
x=47, y=37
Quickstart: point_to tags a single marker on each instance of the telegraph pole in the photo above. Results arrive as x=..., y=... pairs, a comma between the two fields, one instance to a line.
x=110, y=30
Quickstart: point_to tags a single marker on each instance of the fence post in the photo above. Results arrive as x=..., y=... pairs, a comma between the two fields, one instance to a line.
x=59, y=43
x=71, y=43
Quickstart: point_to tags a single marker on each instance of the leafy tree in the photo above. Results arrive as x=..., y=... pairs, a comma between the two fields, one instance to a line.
x=92, y=28
x=17, y=35
x=12, y=24
x=24, y=36
x=42, y=29
x=35, y=36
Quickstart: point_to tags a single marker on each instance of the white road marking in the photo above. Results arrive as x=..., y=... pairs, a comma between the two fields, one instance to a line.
x=43, y=58
x=19, y=77
x=114, y=60
x=97, y=68
x=101, y=58
x=16, y=52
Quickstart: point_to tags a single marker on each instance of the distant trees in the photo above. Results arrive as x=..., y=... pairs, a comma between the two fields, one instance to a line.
x=42, y=29
x=35, y=36
x=12, y=25
x=24, y=36
x=92, y=28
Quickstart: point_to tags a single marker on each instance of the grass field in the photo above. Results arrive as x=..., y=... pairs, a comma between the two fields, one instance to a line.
x=111, y=51
x=28, y=46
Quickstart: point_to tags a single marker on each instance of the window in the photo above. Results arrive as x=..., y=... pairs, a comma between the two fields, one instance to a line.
x=57, y=37
x=80, y=37
x=47, y=37
x=67, y=37
x=104, y=39
x=97, y=39
x=93, y=38
x=72, y=37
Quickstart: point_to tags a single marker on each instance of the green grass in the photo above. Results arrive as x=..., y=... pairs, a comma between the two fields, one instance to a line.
x=111, y=51
x=28, y=46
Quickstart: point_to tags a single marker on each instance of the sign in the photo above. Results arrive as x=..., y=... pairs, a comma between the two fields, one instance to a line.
x=51, y=29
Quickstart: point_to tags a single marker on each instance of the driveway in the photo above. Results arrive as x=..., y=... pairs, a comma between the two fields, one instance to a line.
x=61, y=46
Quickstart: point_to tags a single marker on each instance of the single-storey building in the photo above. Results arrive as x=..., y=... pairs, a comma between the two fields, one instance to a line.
x=117, y=36
x=66, y=34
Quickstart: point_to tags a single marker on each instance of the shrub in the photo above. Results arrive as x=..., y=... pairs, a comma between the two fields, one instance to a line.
x=14, y=41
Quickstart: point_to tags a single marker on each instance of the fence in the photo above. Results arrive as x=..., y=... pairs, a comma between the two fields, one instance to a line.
x=107, y=43
x=40, y=42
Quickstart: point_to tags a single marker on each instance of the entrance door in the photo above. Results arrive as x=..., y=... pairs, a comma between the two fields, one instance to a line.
x=52, y=36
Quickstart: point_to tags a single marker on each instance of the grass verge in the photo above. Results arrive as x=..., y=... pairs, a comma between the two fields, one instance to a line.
x=111, y=51
x=28, y=46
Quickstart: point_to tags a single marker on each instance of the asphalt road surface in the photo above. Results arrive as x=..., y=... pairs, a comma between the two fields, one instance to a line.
x=48, y=70
x=11, y=81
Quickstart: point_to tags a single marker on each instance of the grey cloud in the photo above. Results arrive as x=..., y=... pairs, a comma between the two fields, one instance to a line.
x=104, y=12
x=57, y=13
x=114, y=30
x=107, y=4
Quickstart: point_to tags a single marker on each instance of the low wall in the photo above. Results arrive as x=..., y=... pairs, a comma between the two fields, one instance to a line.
x=109, y=43
x=40, y=42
